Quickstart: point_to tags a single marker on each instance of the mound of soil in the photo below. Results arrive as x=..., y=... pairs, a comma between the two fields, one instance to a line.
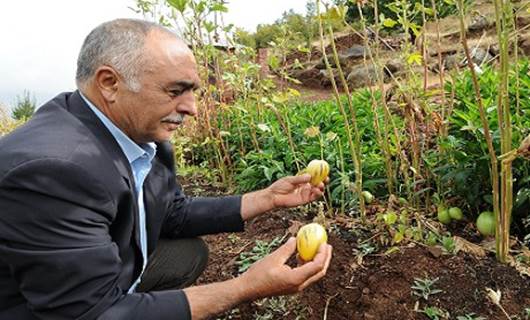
x=375, y=286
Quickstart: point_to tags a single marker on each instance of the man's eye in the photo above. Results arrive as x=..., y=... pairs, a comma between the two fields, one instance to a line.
x=175, y=92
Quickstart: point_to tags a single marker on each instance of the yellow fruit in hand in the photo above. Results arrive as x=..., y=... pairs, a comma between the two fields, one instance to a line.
x=319, y=170
x=309, y=239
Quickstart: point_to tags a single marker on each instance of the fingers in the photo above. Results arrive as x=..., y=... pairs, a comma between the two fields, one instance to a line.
x=328, y=253
x=285, y=251
x=303, y=178
x=315, y=269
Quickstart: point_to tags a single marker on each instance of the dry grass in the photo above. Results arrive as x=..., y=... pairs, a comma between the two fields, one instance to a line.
x=7, y=124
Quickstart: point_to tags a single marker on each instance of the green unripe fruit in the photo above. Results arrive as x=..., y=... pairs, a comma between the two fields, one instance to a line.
x=456, y=213
x=486, y=223
x=368, y=197
x=444, y=217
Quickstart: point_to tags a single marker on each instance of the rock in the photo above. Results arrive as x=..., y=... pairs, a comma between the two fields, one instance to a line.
x=436, y=252
x=325, y=79
x=523, y=20
x=453, y=61
x=394, y=66
x=480, y=55
x=309, y=76
x=494, y=49
x=478, y=22
x=354, y=52
x=524, y=44
x=361, y=76
x=322, y=65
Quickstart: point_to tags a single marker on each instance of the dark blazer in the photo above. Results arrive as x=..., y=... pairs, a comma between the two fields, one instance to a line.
x=69, y=237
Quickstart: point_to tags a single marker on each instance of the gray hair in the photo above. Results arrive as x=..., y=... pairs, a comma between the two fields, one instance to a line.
x=118, y=43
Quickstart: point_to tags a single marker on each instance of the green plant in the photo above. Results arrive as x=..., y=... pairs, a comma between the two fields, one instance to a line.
x=364, y=249
x=448, y=243
x=8, y=124
x=25, y=106
x=526, y=313
x=279, y=308
x=444, y=8
x=424, y=288
x=271, y=308
x=435, y=313
x=260, y=250
x=470, y=316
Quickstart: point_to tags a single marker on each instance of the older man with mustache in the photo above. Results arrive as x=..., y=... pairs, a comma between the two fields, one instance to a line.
x=93, y=224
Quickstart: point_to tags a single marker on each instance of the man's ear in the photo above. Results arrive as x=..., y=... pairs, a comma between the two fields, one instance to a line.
x=106, y=80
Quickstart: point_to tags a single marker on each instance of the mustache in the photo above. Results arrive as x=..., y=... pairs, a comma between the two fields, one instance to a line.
x=178, y=118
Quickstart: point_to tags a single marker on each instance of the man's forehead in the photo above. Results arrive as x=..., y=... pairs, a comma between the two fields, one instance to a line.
x=168, y=42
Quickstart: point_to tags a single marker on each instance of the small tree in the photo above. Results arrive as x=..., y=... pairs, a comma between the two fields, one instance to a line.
x=25, y=106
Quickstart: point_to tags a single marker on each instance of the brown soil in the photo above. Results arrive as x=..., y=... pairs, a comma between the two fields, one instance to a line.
x=377, y=286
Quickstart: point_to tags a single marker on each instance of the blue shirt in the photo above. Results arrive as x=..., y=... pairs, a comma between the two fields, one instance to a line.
x=140, y=157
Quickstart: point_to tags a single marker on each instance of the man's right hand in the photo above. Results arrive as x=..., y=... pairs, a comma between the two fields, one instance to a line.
x=271, y=276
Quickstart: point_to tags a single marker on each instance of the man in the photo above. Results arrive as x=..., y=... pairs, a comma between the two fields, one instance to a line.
x=87, y=188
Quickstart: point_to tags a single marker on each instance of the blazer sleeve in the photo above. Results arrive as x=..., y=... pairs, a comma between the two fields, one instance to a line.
x=196, y=216
x=54, y=236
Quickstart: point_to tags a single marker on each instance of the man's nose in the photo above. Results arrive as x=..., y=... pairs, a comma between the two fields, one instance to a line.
x=187, y=105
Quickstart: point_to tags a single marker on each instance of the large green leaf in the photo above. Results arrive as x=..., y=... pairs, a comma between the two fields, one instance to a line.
x=180, y=5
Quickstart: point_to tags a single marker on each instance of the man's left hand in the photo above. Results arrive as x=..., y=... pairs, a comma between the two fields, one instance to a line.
x=293, y=191
x=286, y=192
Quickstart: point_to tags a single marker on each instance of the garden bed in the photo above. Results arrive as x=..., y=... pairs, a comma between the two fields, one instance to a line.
x=377, y=285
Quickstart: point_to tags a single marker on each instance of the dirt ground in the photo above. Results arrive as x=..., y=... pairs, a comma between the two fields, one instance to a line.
x=370, y=285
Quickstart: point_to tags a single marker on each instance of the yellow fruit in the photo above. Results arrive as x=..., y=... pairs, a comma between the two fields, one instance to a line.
x=319, y=170
x=309, y=239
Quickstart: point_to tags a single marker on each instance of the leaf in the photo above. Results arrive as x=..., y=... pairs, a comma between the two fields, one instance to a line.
x=415, y=57
x=279, y=98
x=468, y=247
x=392, y=250
x=494, y=296
x=180, y=5
x=273, y=62
x=219, y=7
x=293, y=92
x=201, y=6
x=398, y=237
x=337, y=14
x=390, y=218
x=263, y=127
x=389, y=23
x=331, y=136
x=268, y=173
x=303, y=49
x=209, y=26
x=312, y=132
x=295, y=226
x=521, y=267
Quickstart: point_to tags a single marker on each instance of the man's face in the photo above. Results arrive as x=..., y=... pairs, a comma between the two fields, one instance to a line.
x=167, y=80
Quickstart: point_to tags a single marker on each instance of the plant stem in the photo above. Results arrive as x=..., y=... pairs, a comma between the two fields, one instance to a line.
x=489, y=140
x=354, y=147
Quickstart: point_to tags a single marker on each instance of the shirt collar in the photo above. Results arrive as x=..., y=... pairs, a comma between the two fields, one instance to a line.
x=131, y=150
